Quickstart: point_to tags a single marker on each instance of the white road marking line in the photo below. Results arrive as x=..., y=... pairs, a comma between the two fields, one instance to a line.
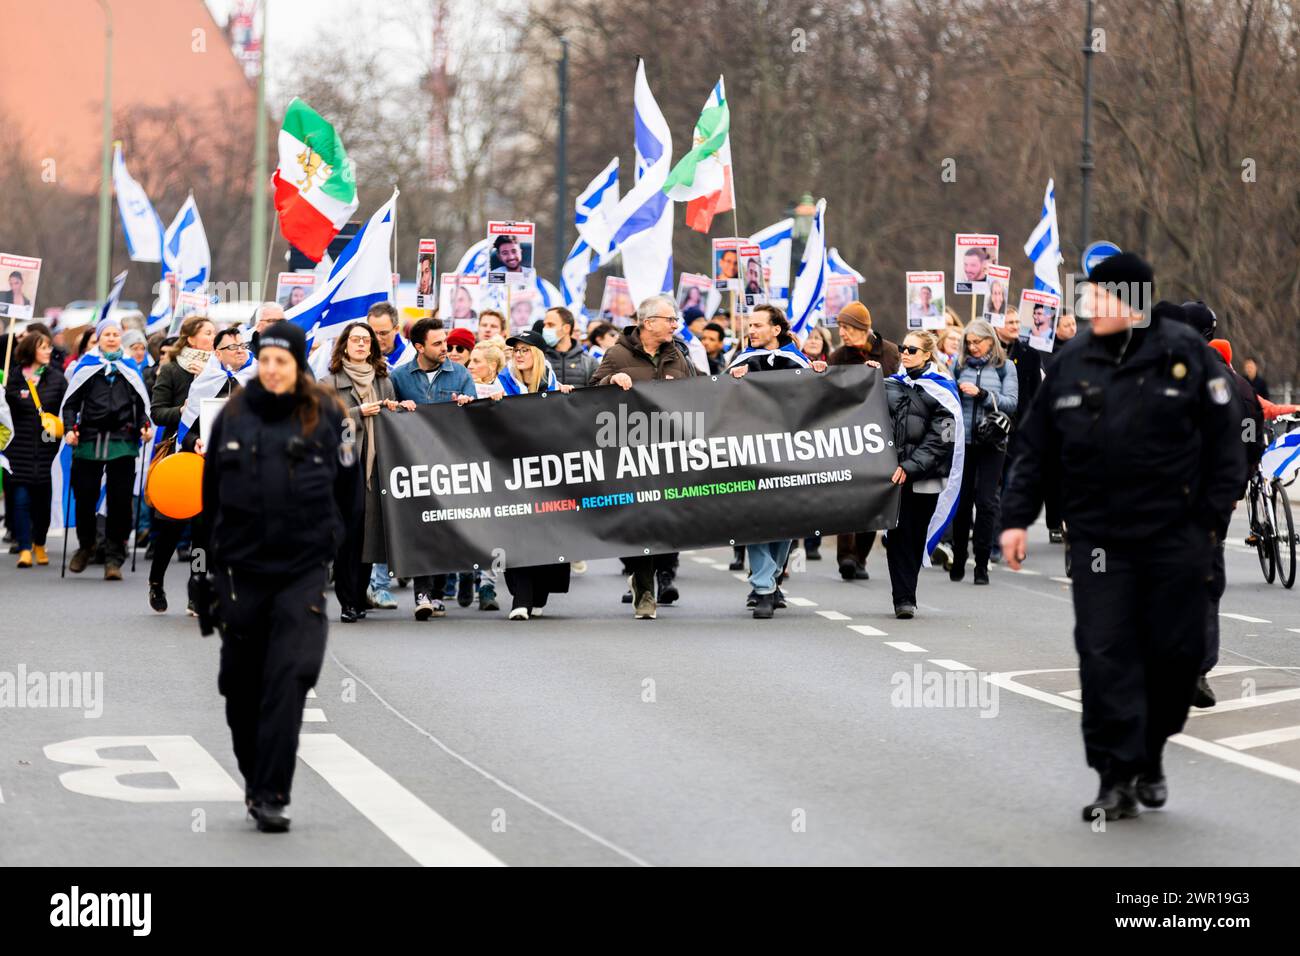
x=311, y=693
x=514, y=791
x=1007, y=681
x=1061, y=580
x=313, y=715
x=1262, y=738
x=402, y=817
x=1032, y=574
x=905, y=647
x=1073, y=694
x=866, y=630
x=950, y=665
x=1294, y=630
x=699, y=560
x=1223, y=670
x=834, y=616
x=800, y=602
x=1244, y=617
x=1246, y=703
x=2, y=796
x=720, y=566
x=740, y=576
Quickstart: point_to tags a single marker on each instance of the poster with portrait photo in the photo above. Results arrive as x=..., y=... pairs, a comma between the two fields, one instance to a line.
x=997, y=298
x=291, y=288
x=510, y=253
x=460, y=300
x=693, y=292
x=524, y=307
x=726, y=264
x=426, y=274
x=1038, y=314
x=753, y=281
x=925, y=300
x=616, y=302
x=20, y=275
x=975, y=252
x=840, y=291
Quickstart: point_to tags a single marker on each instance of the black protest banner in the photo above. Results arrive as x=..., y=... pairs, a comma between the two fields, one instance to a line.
x=665, y=466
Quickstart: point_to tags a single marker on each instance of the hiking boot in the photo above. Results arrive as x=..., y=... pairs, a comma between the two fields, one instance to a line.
x=80, y=559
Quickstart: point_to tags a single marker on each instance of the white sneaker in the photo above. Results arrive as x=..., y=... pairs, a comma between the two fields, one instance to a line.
x=534, y=612
x=423, y=607
x=519, y=614
x=578, y=567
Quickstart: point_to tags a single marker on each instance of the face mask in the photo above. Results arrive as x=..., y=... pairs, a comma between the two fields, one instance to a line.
x=551, y=337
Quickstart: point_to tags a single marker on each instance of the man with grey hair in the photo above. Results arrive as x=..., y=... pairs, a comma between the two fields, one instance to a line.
x=267, y=314
x=647, y=352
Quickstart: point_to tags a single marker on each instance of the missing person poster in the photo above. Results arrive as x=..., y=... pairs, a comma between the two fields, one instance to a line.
x=510, y=253
x=667, y=466
x=616, y=302
x=292, y=287
x=975, y=252
x=426, y=270
x=726, y=264
x=525, y=308
x=754, y=284
x=460, y=300
x=997, y=297
x=1038, y=312
x=20, y=275
x=693, y=292
x=840, y=291
x=925, y=300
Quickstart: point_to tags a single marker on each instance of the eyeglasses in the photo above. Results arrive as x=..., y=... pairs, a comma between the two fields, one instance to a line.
x=358, y=339
x=524, y=350
x=237, y=347
x=667, y=318
x=910, y=349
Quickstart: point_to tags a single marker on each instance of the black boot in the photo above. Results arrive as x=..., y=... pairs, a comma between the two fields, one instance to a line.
x=848, y=569
x=737, y=559
x=981, y=574
x=764, y=606
x=157, y=598
x=270, y=817
x=1204, y=696
x=667, y=589
x=1115, y=799
x=958, y=570
x=1151, y=787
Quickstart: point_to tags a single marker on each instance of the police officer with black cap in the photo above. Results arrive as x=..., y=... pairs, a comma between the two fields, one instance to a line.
x=1138, y=426
x=273, y=484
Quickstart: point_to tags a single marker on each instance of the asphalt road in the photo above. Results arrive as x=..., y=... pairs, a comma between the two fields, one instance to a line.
x=703, y=737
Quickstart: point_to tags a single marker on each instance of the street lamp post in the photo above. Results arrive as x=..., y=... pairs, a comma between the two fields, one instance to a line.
x=1086, y=164
x=561, y=159
x=106, y=164
x=257, y=240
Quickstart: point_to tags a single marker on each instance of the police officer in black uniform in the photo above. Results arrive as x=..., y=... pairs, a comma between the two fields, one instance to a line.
x=272, y=484
x=1139, y=427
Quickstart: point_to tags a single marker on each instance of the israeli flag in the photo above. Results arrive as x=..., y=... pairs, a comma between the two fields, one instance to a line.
x=141, y=225
x=594, y=211
x=361, y=277
x=403, y=352
x=777, y=243
x=113, y=295
x=1282, y=457
x=841, y=268
x=1044, y=245
x=643, y=221
x=475, y=260
x=808, y=303
x=185, y=253
x=943, y=390
x=91, y=364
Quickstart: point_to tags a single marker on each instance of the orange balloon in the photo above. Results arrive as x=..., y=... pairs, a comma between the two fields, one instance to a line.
x=176, y=485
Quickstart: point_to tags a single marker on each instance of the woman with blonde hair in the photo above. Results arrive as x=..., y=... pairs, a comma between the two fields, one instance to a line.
x=486, y=362
x=527, y=370
x=923, y=406
x=988, y=386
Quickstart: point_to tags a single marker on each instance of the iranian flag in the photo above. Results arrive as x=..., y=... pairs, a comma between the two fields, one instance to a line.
x=702, y=178
x=315, y=189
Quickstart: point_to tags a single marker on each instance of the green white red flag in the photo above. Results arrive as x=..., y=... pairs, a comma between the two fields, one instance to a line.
x=702, y=178
x=315, y=187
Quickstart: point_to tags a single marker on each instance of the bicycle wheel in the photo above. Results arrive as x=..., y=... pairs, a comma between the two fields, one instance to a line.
x=1284, y=536
x=1263, y=528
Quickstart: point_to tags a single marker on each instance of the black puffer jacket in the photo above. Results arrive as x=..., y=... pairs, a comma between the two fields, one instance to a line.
x=30, y=454
x=170, y=390
x=273, y=493
x=101, y=410
x=924, y=431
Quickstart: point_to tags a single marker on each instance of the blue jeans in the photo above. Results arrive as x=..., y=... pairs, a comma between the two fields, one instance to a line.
x=379, y=577
x=765, y=564
x=31, y=505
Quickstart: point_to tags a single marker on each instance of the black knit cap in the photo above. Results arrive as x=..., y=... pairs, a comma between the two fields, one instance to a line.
x=288, y=336
x=1126, y=268
x=1200, y=317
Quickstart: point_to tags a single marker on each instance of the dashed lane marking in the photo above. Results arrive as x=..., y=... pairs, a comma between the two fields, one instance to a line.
x=313, y=715
x=866, y=630
x=800, y=601
x=1061, y=580
x=1244, y=617
x=905, y=647
x=834, y=616
x=950, y=665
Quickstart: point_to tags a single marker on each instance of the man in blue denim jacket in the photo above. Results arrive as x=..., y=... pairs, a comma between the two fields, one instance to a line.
x=430, y=379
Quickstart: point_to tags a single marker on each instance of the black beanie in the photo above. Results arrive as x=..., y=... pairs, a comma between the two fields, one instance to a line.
x=1201, y=318
x=1126, y=268
x=288, y=336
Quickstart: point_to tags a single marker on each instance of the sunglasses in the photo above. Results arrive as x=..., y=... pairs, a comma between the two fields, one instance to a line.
x=458, y=348
x=910, y=349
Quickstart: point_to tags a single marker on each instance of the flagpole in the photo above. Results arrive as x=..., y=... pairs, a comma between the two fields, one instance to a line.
x=259, y=161
x=266, y=271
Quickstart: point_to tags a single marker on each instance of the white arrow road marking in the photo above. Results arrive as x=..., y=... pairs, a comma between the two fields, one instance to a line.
x=402, y=817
